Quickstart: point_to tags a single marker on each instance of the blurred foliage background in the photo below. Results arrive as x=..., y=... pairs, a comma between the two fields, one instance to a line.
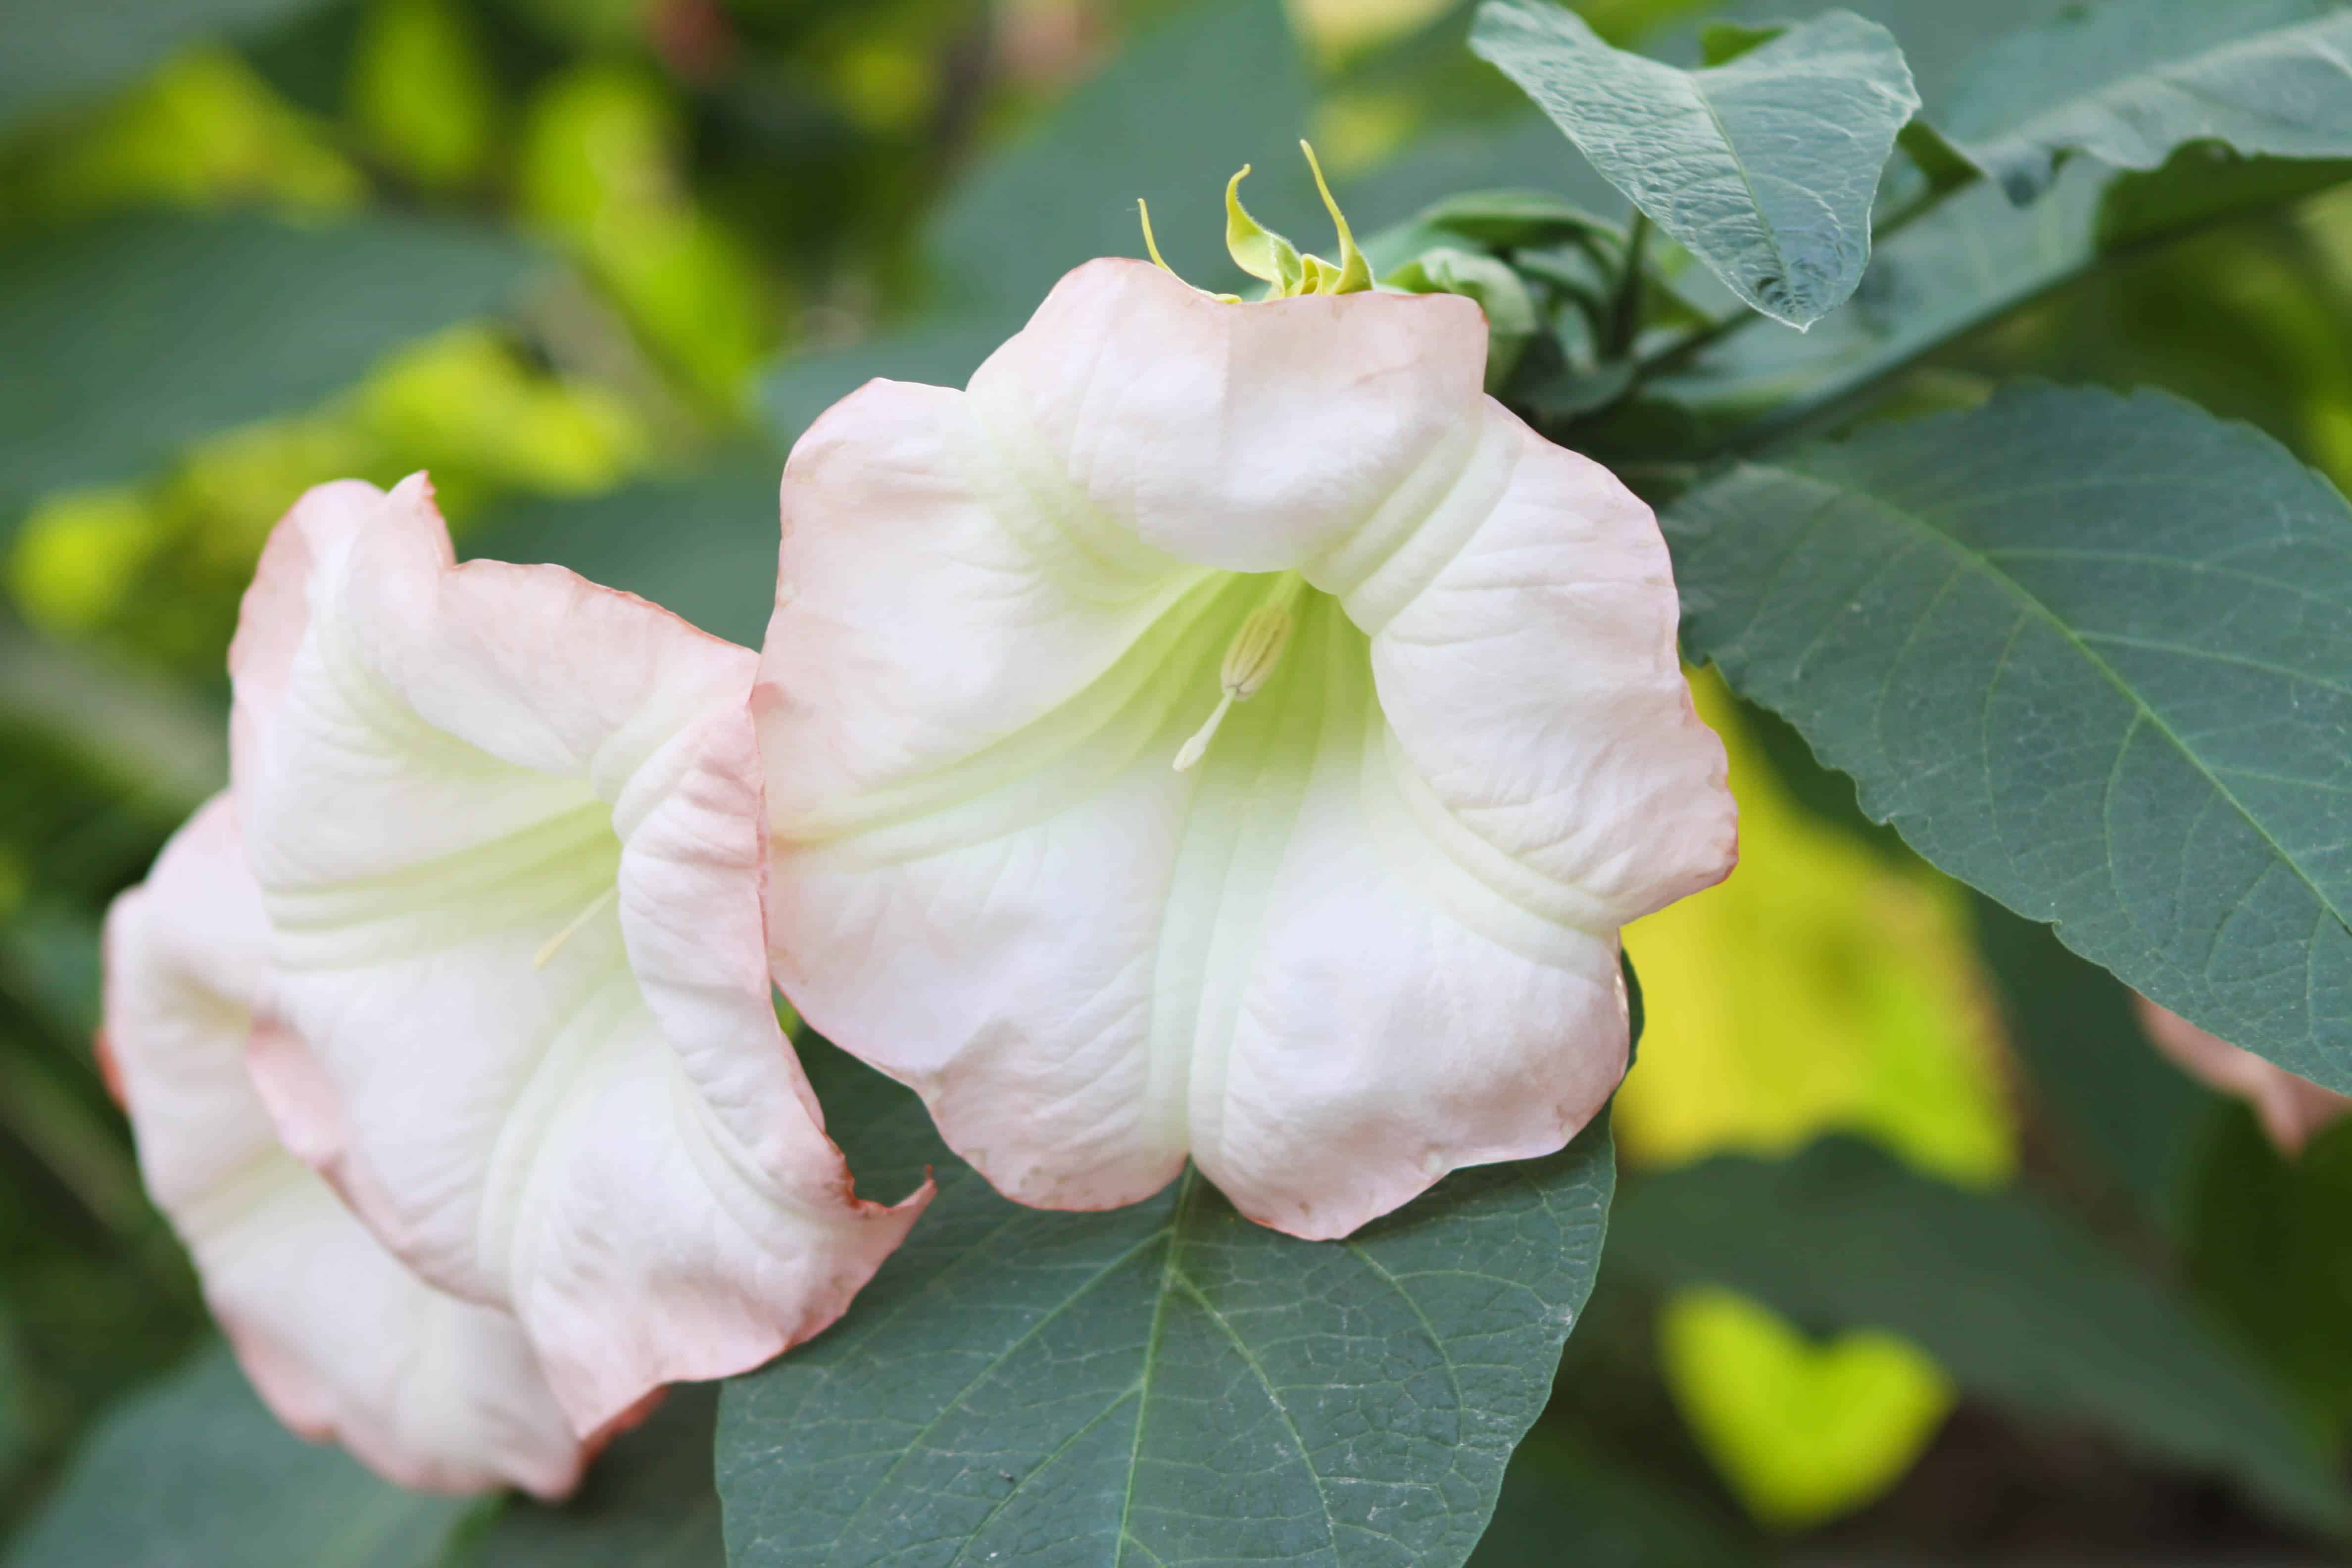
x=2024, y=1291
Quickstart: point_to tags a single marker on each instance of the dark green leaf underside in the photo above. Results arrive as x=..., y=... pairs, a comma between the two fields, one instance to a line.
x=1160, y=1384
x=2088, y=653
x=2020, y=1307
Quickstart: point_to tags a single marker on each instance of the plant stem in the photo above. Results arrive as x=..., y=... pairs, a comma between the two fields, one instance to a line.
x=1625, y=311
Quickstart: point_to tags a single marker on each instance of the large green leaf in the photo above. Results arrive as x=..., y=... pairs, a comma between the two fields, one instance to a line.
x=1162, y=1384
x=2087, y=653
x=1970, y=262
x=134, y=335
x=1941, y=40
x=159, y=744
x=1168, y=121
x=195, y=1472
x=1565, y=1504
x=2135, y=1117
x=702, y=547
x=1764, y=167
x=16, y=1418
x=2130, y=81
x=646, y=1503
x=2270, y=1247
x=2021, y=1308
x=54, y=51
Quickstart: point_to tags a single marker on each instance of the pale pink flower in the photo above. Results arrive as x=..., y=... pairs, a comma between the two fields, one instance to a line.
x=343, y=1343
x=1415, y=668
x=510, y=833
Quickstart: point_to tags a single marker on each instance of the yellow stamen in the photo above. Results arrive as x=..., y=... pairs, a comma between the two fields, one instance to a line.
x=555, y=944
x=1249, y=662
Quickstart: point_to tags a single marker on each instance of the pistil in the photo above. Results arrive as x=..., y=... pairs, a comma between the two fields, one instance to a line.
x=546, y=954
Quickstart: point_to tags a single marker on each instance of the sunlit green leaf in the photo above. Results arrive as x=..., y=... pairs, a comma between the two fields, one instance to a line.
x=195, y=1471
x=1764, y=167
x=1166, y=1383
x=2019, y=1308
x=2128, y=81
x=2087, y=653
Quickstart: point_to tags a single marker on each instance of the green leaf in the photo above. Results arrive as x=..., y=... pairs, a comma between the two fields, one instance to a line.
x=2271, y=1250
x=15, y=1415
x=1565, y=1504
x=1764, y=167
x=646, y=1503
x=1168, y=121
x=1161, y=1384
x=2021, y=1309
x=196, y=1471
x=941, y=350
x=1968, y=263
x=132, y=336
x=162, y=746
x=703, y=548
x=1490, y=220
x=2129, y=82
x=1941, y=40
x=1720, y=43
x=2114, y=1096
x=2088, y=654
x=52, y=54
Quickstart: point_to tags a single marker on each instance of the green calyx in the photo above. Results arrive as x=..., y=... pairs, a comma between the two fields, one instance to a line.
x=1267, y=256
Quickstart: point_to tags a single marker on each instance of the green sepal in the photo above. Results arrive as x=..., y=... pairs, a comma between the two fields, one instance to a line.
x=1258, y=250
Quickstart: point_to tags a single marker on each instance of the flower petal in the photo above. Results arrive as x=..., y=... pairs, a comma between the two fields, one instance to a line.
x=1372, y=937
x=508, y=829
x=1247, y=439
x=343, y=1341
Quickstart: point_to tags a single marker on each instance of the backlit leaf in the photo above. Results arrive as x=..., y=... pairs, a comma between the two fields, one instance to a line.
x=1764, y=167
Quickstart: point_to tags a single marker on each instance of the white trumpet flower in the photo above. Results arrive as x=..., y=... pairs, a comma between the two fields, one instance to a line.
x=1414, y=669
x=510, y=833
x=343, y=1343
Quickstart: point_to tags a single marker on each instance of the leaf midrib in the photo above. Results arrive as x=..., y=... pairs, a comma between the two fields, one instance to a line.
x=2032, y=604
x=1746, y=181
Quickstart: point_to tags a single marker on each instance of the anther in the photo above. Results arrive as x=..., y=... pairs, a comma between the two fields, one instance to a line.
x=1250, y=658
